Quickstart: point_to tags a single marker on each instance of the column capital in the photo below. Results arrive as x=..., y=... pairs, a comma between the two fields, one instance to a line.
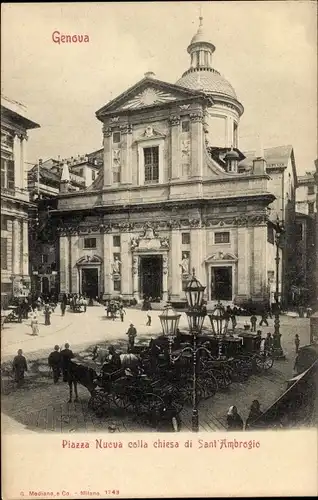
x=126, y=128
x=174, y=120
x=107, y=131
x=196, y=117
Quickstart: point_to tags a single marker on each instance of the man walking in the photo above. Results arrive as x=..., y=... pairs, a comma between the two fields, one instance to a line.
x=132, y=333
x=66, y=356
x=54, y=361
x=19, y=366
x=264, y=319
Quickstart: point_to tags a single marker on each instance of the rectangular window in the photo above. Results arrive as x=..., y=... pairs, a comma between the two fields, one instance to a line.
x=223, y=237
x=4, y=253
x=44, y=258
x=311, y=207
x=4, y=223
x=185, y=124
x=116, y=241
x=117, y=286
x=89, y=242
x=151, y=159
x=311, y=190
x=185, y=238
x=7, y=173
x=299, y=232
x=93, y=175
x=270, y=235
x=80, y=172
x=116, y=137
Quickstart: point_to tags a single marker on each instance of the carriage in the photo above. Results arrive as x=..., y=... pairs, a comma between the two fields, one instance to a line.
x=127, y=389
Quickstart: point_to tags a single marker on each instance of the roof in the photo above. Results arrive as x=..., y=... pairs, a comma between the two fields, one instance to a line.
x=276, y=156
x=306, y=179
x=17, y=113
x=207, y=80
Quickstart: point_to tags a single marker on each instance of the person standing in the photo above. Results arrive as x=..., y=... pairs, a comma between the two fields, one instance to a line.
x=264, y=318
x=148, y=319
x=234, y=420
x=34, y=324
x=297, y=342
x=254, y=414
x=19, y=366
x=66, y=356
x=47, y=315
x=268, y=343
x=253, y=320
x=122, y=312
x=233, y=319
x=54, y=362
x=258, y=341
x=132, y=334
x=85, y=303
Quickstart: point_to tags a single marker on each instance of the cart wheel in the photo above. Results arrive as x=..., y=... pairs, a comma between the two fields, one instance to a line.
x=258, y=363
x=122, y=401
x=99, y=403
x=268, y=362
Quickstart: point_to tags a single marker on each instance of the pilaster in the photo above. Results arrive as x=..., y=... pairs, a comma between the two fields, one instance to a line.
x=175, y=147
x=107, y=157
x=126, y=265
x=74, y=258
x=108, y=259
x=126, y=170
x=197, y=250
x=243, y=252
x=176, y=279
x=17, y=162
x=64, y=262
x=16, y=247
x=259, y=247
x=196, y=145
x=25, y=248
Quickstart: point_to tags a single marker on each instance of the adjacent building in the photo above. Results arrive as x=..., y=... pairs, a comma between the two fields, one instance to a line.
x=15, y=201
x=306, y=248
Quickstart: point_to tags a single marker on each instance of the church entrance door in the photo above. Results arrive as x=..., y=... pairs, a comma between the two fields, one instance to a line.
x=221, y=283
x=90, y=282
x=151, y=276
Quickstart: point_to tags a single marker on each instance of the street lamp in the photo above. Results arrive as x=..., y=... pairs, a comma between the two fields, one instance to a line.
x=277, y=348
x=219, y=324
x=196, y=313
x=169, y=320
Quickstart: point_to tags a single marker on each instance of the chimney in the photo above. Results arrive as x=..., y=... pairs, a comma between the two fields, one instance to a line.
x=259, y=166
x=65, y=179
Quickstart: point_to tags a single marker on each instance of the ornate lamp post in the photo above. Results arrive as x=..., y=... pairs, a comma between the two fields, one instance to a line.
x=219, y=324
x=195, y=315
x=169, y=322
x=278, y=351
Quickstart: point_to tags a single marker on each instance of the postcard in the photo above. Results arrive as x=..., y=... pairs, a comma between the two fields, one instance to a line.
x=159, y=246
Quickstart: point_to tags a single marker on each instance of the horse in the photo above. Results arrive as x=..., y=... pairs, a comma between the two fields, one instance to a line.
x=83, y=375
x=129, y=360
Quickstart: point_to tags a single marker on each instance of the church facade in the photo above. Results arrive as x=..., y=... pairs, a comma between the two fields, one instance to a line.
x=171, y=197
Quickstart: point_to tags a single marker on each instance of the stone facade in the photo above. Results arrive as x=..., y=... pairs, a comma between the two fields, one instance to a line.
x=15, y=204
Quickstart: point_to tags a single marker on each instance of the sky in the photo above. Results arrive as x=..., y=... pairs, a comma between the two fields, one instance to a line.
x=267, y=50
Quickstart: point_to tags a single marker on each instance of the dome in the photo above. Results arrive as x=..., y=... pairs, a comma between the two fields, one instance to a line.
x=207, y=80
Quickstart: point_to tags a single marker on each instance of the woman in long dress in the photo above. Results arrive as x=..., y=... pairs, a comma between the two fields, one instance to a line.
x=34, y=324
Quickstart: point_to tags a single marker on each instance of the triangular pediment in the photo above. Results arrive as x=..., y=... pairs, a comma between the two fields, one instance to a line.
x=221, y=256
x=147, y=93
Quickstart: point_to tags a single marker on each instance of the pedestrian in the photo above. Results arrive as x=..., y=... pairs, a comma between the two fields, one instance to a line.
x=122, y=312
x=47, y=314
x=234, y=420
x=85, y=303
x=66, y=356
x=253, y=320
x=233, y=319
x=132, y=333
x=34, y=323
x=297, y=342
x=148, y=319
x=268, y=343
x=264, y=318
x=258, y=340
x=254, y=414
x=54, y=362
x=63, y=308
x=227, y=316
x=19, y=366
